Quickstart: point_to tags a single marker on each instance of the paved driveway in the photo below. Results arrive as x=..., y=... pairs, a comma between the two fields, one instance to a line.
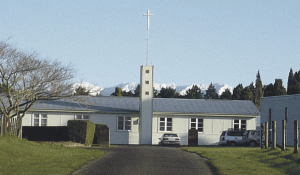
x=145, y=160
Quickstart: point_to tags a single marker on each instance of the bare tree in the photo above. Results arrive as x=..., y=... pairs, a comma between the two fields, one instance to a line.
x=25, y=79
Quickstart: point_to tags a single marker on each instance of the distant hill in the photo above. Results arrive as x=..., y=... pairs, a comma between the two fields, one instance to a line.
x=94, y=90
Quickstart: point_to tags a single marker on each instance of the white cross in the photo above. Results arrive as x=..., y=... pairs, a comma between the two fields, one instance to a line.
x=148, y=15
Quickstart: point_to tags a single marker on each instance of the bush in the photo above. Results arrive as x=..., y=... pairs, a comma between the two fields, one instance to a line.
x=101, y=134
x=81, y=131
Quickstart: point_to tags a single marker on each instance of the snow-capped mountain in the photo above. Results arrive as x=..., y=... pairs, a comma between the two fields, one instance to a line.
x=94, y=90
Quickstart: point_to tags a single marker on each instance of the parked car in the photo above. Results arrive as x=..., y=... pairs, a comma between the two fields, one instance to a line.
x=169, y=139
x=252, y=138
x=232, y=137
x=240, y=137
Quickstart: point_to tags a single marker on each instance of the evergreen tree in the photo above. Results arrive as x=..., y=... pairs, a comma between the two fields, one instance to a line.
x=129, y=93
x=297, y=76
x=211, y=92
x=81, y=91
x=258, y=91
x=252, y=88
x=275, y=90
x=137, y=91
x=279, y=88
x=246, y=94
x=269, y=90
x=293, y=85
x=118, y=92
x=237, y=91
x=226, y=94
x=167, y=93
x=194, y=93
x=155, y=93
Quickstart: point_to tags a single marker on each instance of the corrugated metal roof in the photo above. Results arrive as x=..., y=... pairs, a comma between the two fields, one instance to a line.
x=131, y=104
x=87, y=103
x=212, y=106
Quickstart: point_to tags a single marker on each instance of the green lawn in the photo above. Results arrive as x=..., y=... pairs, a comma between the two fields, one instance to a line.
x=19, y=156
x=246, y=160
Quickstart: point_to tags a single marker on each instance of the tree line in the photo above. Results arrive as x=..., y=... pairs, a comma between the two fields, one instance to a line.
x=254, y=92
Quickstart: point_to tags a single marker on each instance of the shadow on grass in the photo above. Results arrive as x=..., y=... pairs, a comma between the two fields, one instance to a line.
x=208, y=162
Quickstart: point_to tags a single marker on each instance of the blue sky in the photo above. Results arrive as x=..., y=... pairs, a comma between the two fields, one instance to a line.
x=191, y=42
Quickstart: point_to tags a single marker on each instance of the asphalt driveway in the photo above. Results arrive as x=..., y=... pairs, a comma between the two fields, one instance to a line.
x=145, y=160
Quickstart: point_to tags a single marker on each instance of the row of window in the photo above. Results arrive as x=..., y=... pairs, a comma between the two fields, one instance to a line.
x=165, y=124
x=124, y=123
x=41, y=119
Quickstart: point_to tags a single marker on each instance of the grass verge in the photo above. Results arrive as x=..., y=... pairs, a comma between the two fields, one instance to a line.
x=19, y=156
x=245, y=160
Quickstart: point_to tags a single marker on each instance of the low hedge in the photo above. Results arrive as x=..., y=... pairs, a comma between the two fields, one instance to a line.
x=101, y=134
x=81, y=131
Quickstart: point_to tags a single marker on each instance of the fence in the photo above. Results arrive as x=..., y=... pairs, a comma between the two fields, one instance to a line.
x=265, y=132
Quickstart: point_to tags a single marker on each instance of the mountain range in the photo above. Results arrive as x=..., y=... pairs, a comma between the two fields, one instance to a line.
x=94, y=90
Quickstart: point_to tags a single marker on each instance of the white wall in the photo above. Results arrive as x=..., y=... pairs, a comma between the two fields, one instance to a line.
x=53, y=118
x=119, y=137
x=213, y=126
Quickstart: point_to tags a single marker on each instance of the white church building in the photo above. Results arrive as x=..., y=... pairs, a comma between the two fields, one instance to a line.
x=144, y=119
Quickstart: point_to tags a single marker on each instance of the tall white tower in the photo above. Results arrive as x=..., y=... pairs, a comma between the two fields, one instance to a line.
x=146, y=104
x=146, y=96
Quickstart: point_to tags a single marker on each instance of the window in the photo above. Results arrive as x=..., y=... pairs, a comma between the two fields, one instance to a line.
x=82, y=117
x=39, y=119
x=197, y=123
x=124, y=123
x=147, y=71
x=165, y=124
x=239, y=125
x=146, y=82
x=146, y=93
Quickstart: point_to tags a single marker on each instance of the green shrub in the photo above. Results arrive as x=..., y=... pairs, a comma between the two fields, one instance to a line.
x=101, y=134
x=81, y=131
x=90, y=132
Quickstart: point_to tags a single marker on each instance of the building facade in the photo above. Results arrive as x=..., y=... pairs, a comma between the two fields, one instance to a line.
x=144, y=119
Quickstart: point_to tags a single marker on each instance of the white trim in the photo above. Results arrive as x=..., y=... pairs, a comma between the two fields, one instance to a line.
x=39, y=118
x=196, y=123
x=240, y=123
x=82, y=117
x=165, y=124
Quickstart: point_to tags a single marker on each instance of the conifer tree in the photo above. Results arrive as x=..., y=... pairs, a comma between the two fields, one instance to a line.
x=167, y=93
x=258, y=91
x=237, y=91
x=137, y=91
x=194, y=93
x=211, y=92
x=279, y=88
x=118, y=92
x=268, y=90
x=293, y=83
x=246, y=94
x=226, y=94
x=252, y=88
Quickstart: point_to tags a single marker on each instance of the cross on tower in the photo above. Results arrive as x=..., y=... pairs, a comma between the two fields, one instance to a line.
x=148, y=16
